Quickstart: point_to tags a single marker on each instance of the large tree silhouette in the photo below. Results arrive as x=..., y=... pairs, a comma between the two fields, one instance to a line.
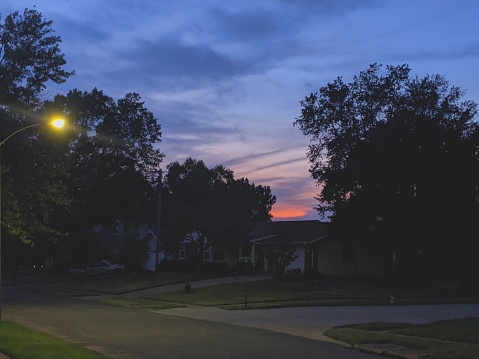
x=113, y=157
x=32, y=172
x=30, y=56
x=397, y=160
x=211, y=203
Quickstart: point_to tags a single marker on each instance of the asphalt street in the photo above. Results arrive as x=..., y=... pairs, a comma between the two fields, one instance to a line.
x=125, y=333
x=311, y=322
x=206, y=332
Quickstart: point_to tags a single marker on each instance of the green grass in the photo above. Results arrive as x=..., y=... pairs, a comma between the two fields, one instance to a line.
x=461, y=330
x=306, y=303
x=139, y=303
x=21, y=343
x=278, y=294
x=131, y=282
x=226, y=294
x=451, y=339
x=271, y=294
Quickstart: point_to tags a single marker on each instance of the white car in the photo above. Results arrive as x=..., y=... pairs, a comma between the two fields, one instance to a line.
x=102, y=268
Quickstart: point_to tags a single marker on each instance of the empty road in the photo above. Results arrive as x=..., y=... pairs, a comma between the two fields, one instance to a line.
x=125, y=333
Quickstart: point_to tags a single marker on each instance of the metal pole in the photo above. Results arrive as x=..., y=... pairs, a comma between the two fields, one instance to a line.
x=158, y=220
x=245, y=283
x=1, y=143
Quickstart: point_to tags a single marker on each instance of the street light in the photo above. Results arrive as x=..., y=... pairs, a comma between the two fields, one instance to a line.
x=57, y=123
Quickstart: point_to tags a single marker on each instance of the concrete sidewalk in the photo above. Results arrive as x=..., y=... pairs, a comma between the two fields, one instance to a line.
x=311, y=322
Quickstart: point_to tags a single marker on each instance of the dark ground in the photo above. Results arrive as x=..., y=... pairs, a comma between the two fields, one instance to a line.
x=133, y=333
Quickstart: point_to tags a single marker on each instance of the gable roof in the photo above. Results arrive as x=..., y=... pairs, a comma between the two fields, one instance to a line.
x=148, y=235
x=295, y=232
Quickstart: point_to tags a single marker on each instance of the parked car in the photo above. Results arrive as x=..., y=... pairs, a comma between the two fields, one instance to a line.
x=102, y=268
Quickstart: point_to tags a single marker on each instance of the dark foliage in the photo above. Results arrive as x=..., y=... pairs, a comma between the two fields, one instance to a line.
x=212, y=204
x=397, y=158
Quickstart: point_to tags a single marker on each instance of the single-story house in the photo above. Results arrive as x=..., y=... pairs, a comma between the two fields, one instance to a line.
x=351, y=258
x=315, y=248
x=153, y=250
x=225, y=252
x=303, y=236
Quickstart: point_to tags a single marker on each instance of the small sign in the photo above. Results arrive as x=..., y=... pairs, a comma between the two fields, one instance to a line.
x=245, y=259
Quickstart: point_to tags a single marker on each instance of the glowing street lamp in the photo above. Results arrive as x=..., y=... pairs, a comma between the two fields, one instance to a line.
x=57, y=123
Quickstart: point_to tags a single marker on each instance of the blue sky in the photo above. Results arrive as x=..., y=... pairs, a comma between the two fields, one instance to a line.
x=225, y=78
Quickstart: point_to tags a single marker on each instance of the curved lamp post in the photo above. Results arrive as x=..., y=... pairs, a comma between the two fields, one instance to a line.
x=58, y=123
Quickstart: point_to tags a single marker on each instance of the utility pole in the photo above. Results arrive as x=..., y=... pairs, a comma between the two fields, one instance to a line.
x=246, y=261
x=246, y=283
x=158, y=220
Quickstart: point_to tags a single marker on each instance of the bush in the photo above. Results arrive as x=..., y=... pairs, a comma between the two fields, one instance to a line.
x=293, y=275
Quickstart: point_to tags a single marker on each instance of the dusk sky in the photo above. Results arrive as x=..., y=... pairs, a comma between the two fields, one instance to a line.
x=225, y=78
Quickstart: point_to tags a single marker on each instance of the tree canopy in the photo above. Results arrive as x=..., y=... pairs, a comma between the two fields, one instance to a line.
x=31, y=168
x=100, y=169
x=396, y=155
x=30, y=56
x=114, y=156
x=211, y=202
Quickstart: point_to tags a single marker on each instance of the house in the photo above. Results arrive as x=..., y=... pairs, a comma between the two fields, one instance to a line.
x=123, y=242
x=351, y=258
x=315, y=248
x=223, y=254
x=303, y=236
x=151, y=240
x=189, y=247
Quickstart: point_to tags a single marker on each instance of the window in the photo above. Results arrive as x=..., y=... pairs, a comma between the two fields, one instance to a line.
x=182, y=252
x=207, y=254
x=245, y=251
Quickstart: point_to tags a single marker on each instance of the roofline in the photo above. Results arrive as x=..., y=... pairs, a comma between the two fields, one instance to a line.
x=256, y=240
x=311, y=241
x=263, y=238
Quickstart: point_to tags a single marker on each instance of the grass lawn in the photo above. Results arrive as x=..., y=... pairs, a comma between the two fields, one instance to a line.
x=266, y=290
x=266, y=294
x=130, y=283
x=277, y=294
x=21, y=343
x=451, y=339
x=139, y=303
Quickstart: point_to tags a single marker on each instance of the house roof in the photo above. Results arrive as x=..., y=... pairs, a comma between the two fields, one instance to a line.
x=295, y=232
x=148, y=235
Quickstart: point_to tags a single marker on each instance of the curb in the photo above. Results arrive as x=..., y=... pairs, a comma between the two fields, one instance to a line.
x=387, y=349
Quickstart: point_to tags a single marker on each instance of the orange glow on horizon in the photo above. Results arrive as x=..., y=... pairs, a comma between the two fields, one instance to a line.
x=283, y=213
